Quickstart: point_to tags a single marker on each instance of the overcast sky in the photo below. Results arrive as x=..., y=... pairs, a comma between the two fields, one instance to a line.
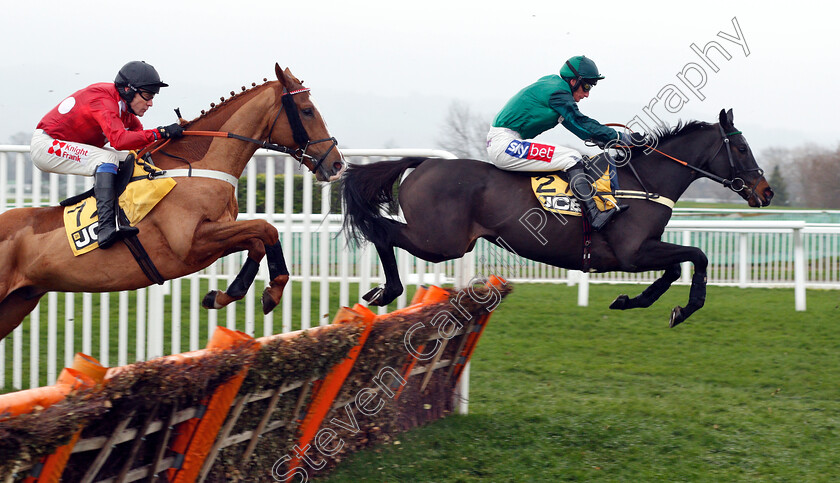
x=384, y=72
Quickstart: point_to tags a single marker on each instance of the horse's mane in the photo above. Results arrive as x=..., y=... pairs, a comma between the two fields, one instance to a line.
x=662, y=134
x=234, y=96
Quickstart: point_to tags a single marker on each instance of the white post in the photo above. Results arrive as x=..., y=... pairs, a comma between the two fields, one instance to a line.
x=122, y=337
x=306, y=254
x=87, y=323
x=69, y=329
x=572, y=277
x=583, y=289
x=52, y=337
x=17, y=358
x=104, y=327
x=141, y=325
x=324, y=258
x=364, y=271
x=464, y=272
x=288, y=242
x=344, y=261
x=270, y=179
x=742, y=260
x=686, y=266
x=34, y=345
x=155, y=324
x=175, y=311
x=230, y=268
x=798, y=270
x=195, y=285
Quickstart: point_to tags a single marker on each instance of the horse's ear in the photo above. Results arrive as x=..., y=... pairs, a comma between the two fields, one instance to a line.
x=725, y=118
x=291, y=76
x=730, y=117
x=281, y=76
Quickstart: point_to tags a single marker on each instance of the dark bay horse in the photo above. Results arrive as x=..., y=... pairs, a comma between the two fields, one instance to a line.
x=195, y=224
x=449, y=204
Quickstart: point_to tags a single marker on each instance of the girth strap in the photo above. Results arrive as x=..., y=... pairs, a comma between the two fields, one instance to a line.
x=643, y=195
x=587, y=244
x=142, y=258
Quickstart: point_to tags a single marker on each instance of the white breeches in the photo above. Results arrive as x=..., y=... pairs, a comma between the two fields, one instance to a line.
x=510, y=152
x=56, y=156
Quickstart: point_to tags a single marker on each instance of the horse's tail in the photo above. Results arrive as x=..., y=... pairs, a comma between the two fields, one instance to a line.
x=367, y=191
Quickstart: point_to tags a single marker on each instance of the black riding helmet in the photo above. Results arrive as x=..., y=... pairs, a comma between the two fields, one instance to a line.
x=137, y=75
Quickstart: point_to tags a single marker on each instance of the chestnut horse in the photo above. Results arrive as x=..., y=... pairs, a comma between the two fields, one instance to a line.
x=449, y=203
x=194, y=225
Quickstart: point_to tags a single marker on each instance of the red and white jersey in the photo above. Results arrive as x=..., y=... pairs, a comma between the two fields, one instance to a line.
x=96, y=115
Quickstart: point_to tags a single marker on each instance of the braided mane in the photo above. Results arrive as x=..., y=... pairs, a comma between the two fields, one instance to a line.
x=234, y=97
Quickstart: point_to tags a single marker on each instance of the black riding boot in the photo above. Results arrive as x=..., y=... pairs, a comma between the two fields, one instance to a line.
x=583, y=190
x=106, y=205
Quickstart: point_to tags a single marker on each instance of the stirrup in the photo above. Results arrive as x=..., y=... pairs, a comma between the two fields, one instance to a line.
x=600, y=219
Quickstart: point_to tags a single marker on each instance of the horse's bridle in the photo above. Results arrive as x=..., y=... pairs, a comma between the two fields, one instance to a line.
x=299, y=134
x=734, y=182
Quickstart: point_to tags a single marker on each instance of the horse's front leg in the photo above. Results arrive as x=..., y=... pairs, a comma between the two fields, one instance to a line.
x=217, y=299
x=696, y=299
x=658, y=255
x=221, y=238
x=650, y=294
x=279, y=274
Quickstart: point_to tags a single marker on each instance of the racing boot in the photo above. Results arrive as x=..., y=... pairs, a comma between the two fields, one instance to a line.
x=104, y=190
x=583, y=190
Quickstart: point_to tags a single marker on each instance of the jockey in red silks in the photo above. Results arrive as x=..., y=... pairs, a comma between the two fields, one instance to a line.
x=550, y=101
x=71, y=138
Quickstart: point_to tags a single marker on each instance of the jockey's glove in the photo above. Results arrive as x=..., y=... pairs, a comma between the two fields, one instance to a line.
x=633, y=139
x=172, y=131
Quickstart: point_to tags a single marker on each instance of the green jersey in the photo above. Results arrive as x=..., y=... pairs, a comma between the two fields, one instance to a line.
x=546, y=103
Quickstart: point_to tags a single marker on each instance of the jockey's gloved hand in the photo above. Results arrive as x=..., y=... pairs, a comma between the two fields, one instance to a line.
x=633, y=139
x=172, y=131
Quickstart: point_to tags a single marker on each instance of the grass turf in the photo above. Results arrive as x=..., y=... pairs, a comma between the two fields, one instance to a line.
x=747, y=389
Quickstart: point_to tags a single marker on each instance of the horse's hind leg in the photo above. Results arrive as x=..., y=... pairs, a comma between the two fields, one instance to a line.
x=14, y=308
x=650, y=294
x=381, y=296
x=279, y=274
x=449, y=245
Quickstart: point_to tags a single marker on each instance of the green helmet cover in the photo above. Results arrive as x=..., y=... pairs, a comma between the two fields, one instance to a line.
x=584, y=66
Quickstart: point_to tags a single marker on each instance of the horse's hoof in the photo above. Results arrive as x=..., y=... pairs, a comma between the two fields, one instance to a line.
x=676, y=317
x=620, y=302
x=209, y=300
x=268, y=303
x=374, y=297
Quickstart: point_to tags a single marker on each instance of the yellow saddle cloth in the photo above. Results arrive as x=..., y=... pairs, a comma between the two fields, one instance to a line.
x=138, y=199
x=555, y=195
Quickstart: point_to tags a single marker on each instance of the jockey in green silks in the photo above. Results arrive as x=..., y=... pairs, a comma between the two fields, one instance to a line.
x=550, y=101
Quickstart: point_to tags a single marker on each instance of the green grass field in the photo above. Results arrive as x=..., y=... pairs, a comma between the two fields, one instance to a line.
x=747, y=389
